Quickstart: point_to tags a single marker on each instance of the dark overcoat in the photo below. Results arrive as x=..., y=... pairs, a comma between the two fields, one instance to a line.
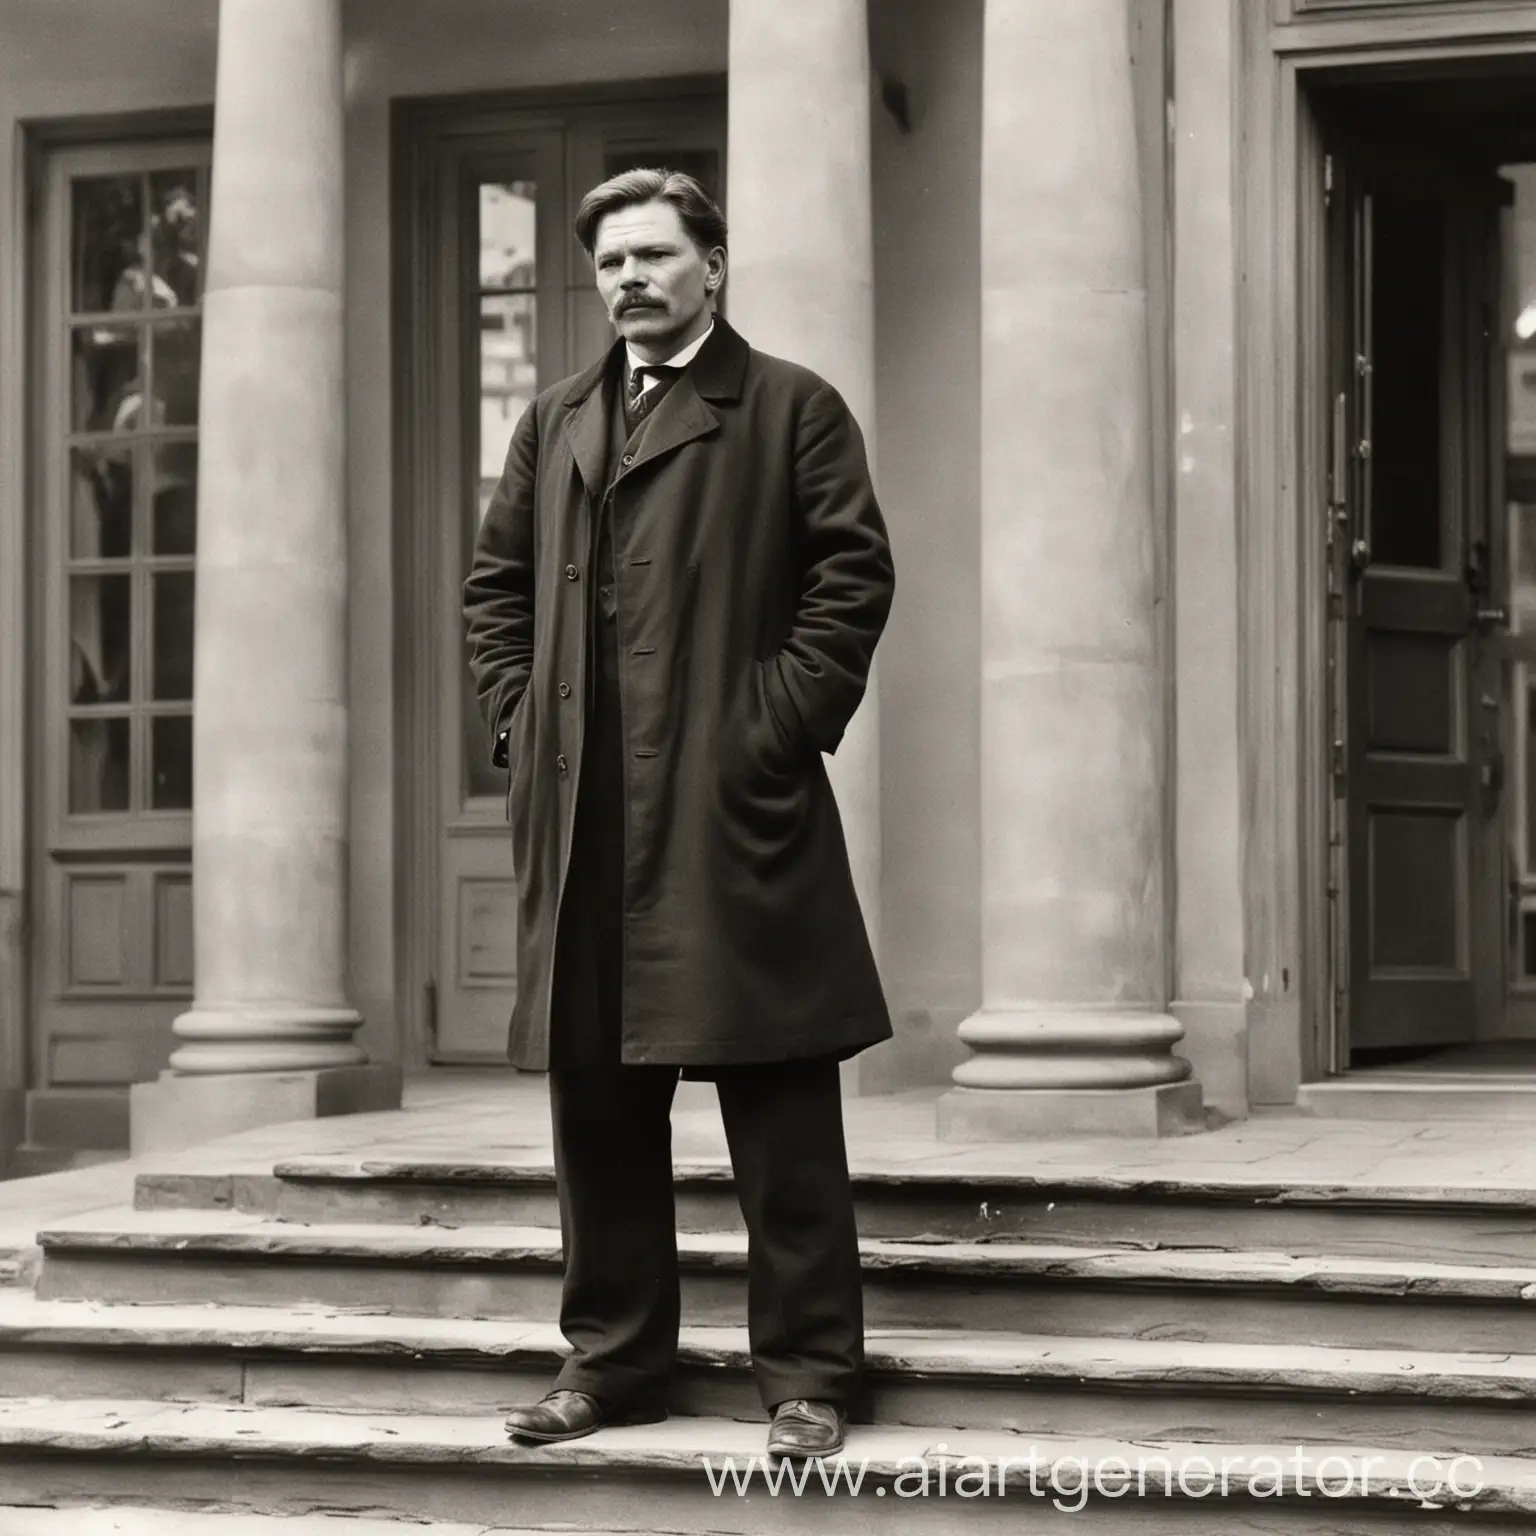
x=754, y=578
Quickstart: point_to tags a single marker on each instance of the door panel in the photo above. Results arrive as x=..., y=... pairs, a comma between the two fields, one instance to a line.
x=1411, y=289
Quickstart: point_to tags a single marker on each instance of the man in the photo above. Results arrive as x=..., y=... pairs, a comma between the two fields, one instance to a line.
x=674, y=603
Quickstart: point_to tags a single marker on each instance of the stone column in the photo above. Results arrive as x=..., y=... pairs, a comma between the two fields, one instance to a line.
x=1072, y=1035
x=1208, y=987
x=270, y=1034
x=801, y=281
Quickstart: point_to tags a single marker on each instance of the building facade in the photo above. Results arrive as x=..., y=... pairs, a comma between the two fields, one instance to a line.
x=1191, y=341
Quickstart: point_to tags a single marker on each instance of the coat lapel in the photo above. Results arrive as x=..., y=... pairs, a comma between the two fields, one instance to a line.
x=587, y=424
x=680, y=418
x=716, y=374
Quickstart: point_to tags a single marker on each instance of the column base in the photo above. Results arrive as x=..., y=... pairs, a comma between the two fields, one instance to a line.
x=1012, y=1114
x=1215, y=1044
x=176, y=1112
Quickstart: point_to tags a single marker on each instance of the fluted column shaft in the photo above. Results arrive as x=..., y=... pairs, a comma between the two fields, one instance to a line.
x=270, y=733
x=1072, y=697
x=802, y=270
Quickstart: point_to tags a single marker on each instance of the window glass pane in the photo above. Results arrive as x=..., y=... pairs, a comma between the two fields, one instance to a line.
x=100, y=631
x=176, y=237
x=176, y=372
x=508, y=381
x=107, y=379
x=507, y=234
x=173, y=497
x=1408, y=258
x=172, y=657
x=98, y=765
x=170, y=747
x=101, y=503
x=107, y=244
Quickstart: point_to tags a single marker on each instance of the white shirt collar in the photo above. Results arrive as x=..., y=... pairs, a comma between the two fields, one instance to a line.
x=677, y=360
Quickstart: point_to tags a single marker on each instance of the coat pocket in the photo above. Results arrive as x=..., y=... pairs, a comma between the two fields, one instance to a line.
x=787, y=750
x=517, y=751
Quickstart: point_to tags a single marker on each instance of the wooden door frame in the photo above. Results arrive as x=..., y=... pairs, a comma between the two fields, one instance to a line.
x=423, y=378
x=1282, y=447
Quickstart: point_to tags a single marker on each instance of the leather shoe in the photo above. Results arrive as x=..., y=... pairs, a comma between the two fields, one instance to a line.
x=804, y=1427
x=567, y=1415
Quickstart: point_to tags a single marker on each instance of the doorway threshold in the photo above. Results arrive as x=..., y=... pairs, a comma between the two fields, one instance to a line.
x=1493, y=1080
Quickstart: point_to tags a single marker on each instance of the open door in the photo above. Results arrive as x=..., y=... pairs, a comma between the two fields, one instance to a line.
x=1415, y=542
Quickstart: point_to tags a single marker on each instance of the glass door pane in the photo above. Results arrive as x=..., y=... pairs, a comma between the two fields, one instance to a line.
x=503, y=312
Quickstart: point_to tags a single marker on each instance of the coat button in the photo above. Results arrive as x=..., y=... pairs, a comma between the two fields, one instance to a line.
x=560, y=762
x=628, y=458
x=571, y=573
x=565, y=690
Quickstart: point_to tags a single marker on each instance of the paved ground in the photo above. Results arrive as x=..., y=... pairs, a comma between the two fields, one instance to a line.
x=477, y=1116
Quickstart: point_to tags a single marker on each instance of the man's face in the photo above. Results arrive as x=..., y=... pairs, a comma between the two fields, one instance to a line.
x=655, y=281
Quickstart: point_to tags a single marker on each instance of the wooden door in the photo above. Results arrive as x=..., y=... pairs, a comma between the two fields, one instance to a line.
x=504, y=256
x=512, y=308
x=114, y=525
x=1415, y=546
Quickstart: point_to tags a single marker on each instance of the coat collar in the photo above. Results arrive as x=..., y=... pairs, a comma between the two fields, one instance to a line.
x=715, y=374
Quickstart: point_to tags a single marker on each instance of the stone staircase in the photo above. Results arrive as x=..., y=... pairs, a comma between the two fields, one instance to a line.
x=331, y=1347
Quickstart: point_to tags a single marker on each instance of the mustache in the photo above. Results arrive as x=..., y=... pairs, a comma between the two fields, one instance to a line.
x=625, y=305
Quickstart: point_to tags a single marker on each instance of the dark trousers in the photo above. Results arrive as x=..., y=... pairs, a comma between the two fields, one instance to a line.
x=613, y=1152
x=613, y=1169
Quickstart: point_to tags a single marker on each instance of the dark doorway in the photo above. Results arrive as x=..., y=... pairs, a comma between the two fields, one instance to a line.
x=1426, y=659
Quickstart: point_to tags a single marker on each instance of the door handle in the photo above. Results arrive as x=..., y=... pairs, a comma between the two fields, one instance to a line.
x=1492, y=780
x=1492, y=618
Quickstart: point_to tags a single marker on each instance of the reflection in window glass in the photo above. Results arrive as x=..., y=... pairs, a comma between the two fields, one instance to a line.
x=136, y=245
x=172, y=651
x=175, y=356
x=1520, y=330
x=101, y=503
x=107, y=378
x=107, y=248
x=175, y=233
x=98, y=765
x=509, y=379
x=100, y=639
x=507, y=331
x=170, y=748
x=173, y=498
x=508, y=229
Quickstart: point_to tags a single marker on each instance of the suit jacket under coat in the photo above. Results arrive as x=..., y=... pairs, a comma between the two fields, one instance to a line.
x=754, y=578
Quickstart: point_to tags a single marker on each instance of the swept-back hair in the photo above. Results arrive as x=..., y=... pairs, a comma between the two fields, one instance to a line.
x=700, y=214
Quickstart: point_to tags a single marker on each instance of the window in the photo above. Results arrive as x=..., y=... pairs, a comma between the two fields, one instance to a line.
x=126, y=442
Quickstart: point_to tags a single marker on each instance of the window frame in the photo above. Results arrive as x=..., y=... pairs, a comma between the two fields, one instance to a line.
x=141, y=829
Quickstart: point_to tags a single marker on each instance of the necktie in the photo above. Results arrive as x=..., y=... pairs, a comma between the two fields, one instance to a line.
x=641, y=399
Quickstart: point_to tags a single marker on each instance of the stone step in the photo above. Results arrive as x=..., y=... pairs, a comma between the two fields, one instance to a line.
x=1430, y=1097
x=678, y=1476
x=1135, y=1389
x=512, y=1272
x=1228, y=1210
x=73, y=1520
